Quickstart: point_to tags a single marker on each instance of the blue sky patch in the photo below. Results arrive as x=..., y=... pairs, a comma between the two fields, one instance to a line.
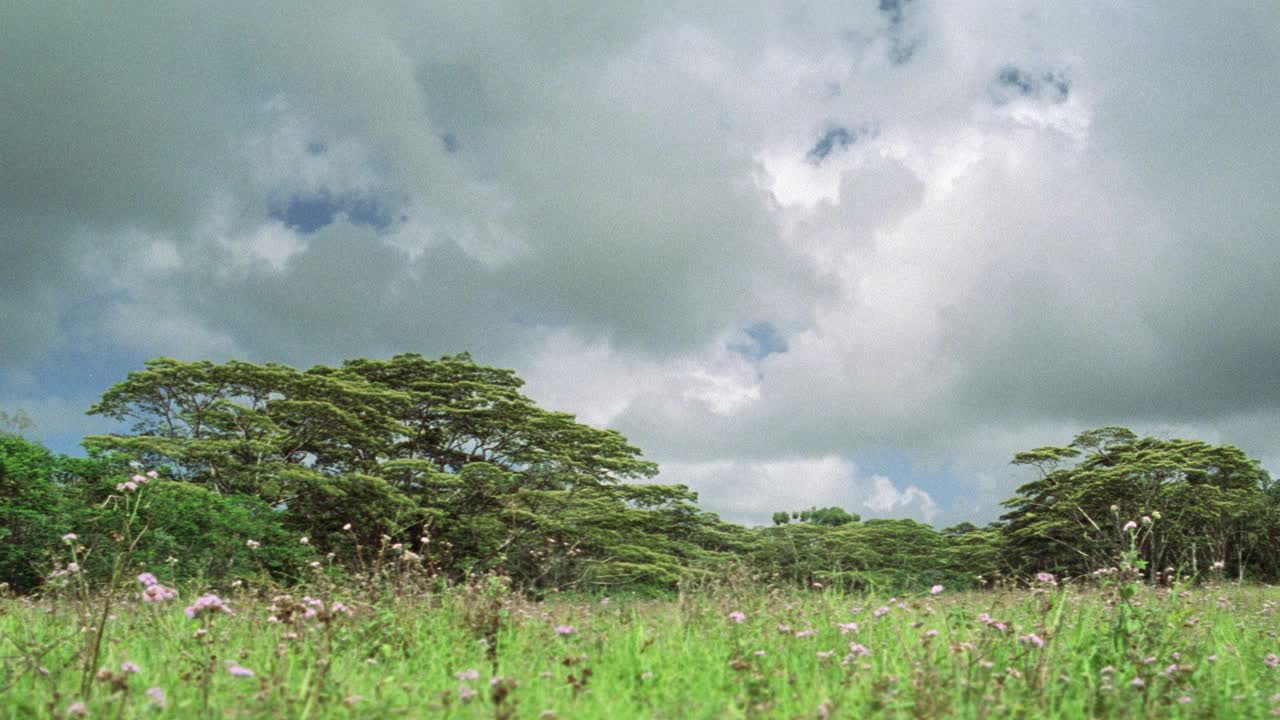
x=763, y=341
x=310, y=213
x=1012, y=81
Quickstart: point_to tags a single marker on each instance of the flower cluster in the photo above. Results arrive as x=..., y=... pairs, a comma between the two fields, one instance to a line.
x=136, y=481
x=153, y=591
x=207, y=604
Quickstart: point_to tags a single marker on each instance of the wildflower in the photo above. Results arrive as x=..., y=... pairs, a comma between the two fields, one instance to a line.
x=78, y=709
x=1138, y=682
x=158, y=593
x=858, y=649
x=931, y=634
x=805, y=633
x=1212, y=658
x=846, y=628
x=153, y=474
x=566, y=629
x=157, y=696
x=239, y=670
x=252, y=544
x=315, y=564
x=131, y=667
x=346, y=528
x=1131, y=525
x=147, y=579
x=1219, y=564
x=759, y=653
x=1184, y=699
x=73, y=567
x=129, y=486
x=1046, y=578
x=209, y=604
x=304, y=540
x=70, y=538
x=825, y=654
x=880, y=612
x=466, y=692
x=936, y=590
x=1272, y=660
x=140, y=479
x=1146, y=520
x=737, y=616
x=469, y=674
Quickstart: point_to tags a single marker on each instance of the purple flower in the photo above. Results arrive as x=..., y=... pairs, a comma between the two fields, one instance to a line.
x=1131, y=525
x=466, y=692
x=157, y=696
x=566, y=629
x=207, y=604
x=846, y=628
x=147, y=579
x=1046, y=578
x=1272, y=660
x=1032, y=639
x=858, y=650
x=737, y=616
x=78, y=709
x=805, y=633
x=240, y=671
x=130, y=667
x=469, y=674
x=936, y=590
x=158, y=593
x=1138, y=682
x=153, y=474
x=70, y=538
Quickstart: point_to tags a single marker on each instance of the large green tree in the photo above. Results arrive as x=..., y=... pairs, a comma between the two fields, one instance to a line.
x=446, y=455
x=1207, y=503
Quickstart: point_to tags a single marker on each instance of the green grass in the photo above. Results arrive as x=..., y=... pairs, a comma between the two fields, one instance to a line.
x=679, y=658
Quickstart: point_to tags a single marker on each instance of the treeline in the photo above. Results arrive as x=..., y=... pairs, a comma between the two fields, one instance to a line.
x=266, y=470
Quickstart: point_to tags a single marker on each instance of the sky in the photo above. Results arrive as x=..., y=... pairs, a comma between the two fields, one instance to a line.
x=852, y=253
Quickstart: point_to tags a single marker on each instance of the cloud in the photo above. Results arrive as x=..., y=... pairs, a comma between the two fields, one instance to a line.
x=751, y=492
x=786, y=235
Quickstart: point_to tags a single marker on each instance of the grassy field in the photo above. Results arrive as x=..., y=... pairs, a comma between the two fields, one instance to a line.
x=1049, y=651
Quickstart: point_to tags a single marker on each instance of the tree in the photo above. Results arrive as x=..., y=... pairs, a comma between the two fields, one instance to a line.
x=445, y=455
x=1207, y=499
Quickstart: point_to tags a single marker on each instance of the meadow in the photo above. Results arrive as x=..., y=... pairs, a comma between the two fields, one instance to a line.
x=735, y=650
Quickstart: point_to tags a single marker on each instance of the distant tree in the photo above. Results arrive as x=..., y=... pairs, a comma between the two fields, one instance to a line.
x=1209, y=501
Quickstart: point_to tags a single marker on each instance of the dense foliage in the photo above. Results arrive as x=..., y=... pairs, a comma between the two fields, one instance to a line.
x=266, y=470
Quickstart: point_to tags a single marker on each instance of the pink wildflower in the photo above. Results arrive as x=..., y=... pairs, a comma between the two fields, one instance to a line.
x=1146, y=520
x=157, y=696
x=140, y=479
x=158, y=593
x=737, y=616
x=147, y=579
x=129, y=486
x=70, y=538
x=78, y=709
x=846, y=628
x=153, y=474
x=252, y=544
x=1131, y=525
x=130, y=667
x=805, y=633
x=207, y=604
x=936, y=590
x=858, y=649
x=1032, y=639
x=1272, y=660
x=1184, y=699
x=1046, y=578
x=1138, y=682
x=346, y=528
x=566, y=629
x=880, y=612
x=466, y=693
x=1219, y=564
x=240, y=671
x=304, y=540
